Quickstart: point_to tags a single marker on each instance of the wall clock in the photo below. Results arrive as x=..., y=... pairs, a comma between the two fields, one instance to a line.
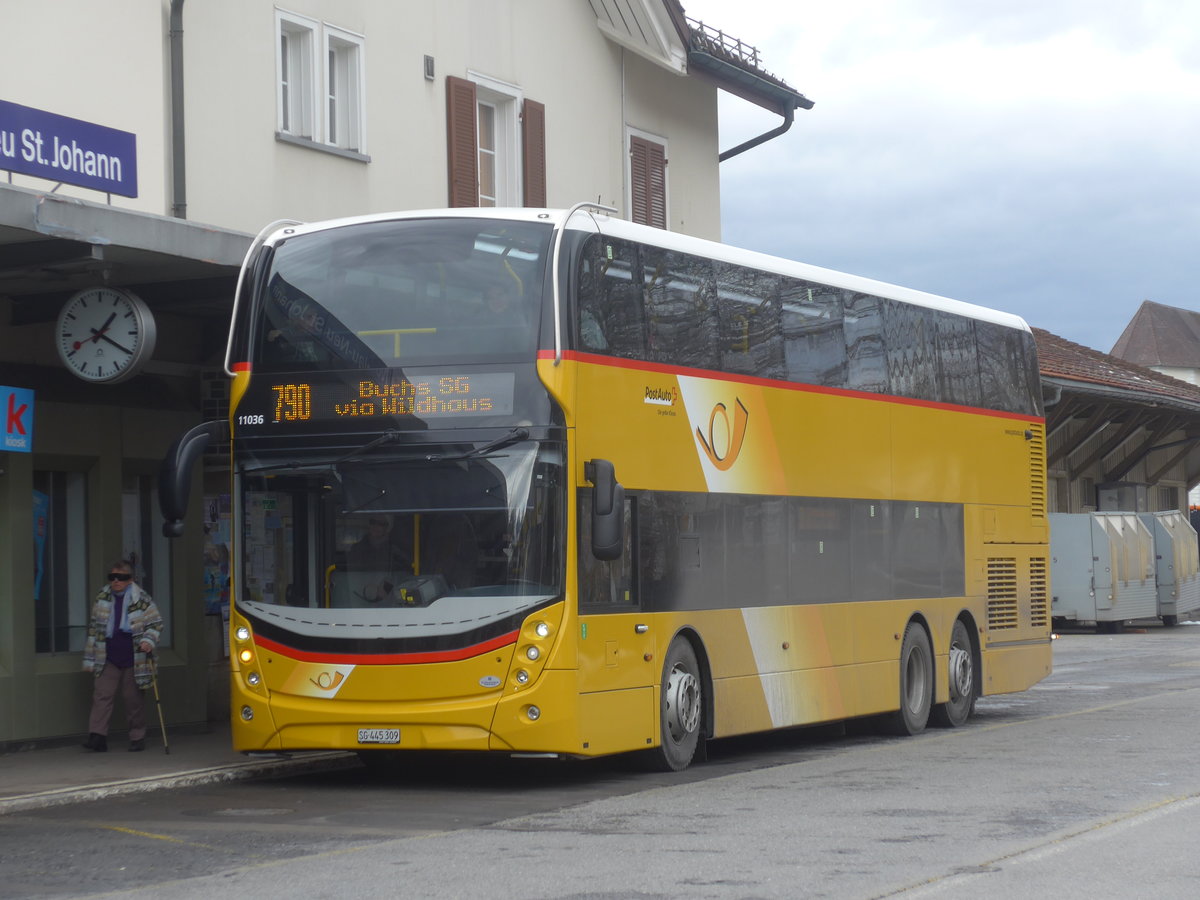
x=105, y=334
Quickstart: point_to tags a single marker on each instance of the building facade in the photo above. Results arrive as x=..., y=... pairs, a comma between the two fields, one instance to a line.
x=164, y=135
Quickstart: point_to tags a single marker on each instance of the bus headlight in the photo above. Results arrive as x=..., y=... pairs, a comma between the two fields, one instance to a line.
x=532, y=652
x=247, y=713
x=522, y=676
x=246, y=655
x=243, y=633
x=541, y=629
x=253, y=679
x=533, y=713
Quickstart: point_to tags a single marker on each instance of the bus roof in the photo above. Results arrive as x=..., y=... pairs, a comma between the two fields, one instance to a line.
x=593, y=221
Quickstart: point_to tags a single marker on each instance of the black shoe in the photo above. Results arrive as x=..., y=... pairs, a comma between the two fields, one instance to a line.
x=96, y=742
x=137, y=746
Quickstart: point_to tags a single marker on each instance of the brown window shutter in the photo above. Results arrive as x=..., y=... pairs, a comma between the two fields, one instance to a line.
x=461, y=142
x=533, y=152
x=648, y=174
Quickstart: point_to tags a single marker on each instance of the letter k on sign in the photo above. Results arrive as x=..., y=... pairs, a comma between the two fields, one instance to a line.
x=16, y=406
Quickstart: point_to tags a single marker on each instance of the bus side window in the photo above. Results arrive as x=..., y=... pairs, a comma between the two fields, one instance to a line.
x=814, y=346
x=679, y=296
x=610, y=300
x=605, y=585
x=909, y=333
x=866, y=357
x=751, y=331
x=957, y=360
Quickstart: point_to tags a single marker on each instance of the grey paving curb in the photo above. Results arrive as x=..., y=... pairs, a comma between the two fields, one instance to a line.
x=253, y=768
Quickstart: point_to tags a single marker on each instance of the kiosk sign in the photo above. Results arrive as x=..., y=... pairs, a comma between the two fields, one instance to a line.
x=16, y=410
x=46, y=145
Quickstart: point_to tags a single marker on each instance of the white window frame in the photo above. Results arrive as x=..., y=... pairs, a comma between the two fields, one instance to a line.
x=505, y=101
x=296, y=75
x=320, y=84
x=344, y=89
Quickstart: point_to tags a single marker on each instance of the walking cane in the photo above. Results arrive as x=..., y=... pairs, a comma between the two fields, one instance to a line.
x=157, y=700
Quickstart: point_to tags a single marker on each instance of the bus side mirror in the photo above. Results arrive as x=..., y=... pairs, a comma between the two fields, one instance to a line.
x=608, y=510
x=175, y=474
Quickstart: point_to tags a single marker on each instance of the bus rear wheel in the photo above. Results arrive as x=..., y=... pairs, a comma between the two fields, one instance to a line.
x=964, y=680
x=681, y=704
x=916, y=683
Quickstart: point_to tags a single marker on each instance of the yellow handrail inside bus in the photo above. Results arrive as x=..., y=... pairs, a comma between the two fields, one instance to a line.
x=416, y=543
x=328, y=581
x=395, y=333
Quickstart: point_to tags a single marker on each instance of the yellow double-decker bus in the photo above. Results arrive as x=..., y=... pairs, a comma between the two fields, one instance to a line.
x=551, y=483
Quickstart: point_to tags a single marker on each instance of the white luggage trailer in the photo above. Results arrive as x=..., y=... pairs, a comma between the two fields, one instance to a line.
x=1102, y=568
x=1177, y=564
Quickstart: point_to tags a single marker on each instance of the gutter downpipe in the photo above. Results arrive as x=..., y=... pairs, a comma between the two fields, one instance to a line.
x=178, y=149
x=788, y=117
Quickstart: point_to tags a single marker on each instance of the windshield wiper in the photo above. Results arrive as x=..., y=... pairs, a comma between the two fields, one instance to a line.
x=513, y=437
x=386, y=438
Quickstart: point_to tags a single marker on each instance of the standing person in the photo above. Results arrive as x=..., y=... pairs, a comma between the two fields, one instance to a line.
x=122, y=633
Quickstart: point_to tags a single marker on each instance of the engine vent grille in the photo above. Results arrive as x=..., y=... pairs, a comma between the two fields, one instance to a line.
x=1001, y=594
x=1037, y=472
x=1039, y=594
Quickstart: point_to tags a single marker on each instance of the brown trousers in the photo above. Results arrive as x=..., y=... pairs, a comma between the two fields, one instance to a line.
x=104, y=696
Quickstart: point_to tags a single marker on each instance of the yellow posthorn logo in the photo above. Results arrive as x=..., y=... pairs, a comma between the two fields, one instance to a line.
x=734, y=434
x=328, y=681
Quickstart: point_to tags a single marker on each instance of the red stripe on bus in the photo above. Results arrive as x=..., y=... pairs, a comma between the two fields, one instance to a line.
x=639, y=365
x=241, y=367
x=388, y=659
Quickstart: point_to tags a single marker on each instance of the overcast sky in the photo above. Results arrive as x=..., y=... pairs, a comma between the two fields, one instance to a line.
x=1037, y=156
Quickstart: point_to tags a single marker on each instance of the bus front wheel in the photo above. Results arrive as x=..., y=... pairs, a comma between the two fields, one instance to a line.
x=681, y=703
x=916, y=683
x=964, y=680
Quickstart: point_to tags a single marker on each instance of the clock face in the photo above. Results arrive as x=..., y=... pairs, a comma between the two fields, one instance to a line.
x=105, y=334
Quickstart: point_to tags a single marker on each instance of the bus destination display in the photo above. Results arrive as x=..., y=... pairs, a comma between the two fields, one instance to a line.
x=417, y=396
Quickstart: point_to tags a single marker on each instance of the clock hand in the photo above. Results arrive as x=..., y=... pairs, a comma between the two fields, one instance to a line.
x=100, y=335
x=97, y=333
x=103, y=328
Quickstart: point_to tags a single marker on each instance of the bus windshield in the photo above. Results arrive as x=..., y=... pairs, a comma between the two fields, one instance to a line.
x=415, y=292
x=469, y=530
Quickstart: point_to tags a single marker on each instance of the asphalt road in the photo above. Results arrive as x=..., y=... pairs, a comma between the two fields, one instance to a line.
x=1082, y=787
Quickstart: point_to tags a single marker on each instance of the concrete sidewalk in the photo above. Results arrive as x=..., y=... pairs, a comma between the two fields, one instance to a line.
x=32, y=779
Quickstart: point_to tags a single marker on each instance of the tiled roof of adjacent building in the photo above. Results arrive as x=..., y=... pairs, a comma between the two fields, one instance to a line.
x=1059, y=358
x=1159, y=335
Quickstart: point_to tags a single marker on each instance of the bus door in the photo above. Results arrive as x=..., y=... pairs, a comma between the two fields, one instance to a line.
x=618, y=670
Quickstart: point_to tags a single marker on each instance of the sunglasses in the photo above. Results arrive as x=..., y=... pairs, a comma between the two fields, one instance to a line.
x=119, y=576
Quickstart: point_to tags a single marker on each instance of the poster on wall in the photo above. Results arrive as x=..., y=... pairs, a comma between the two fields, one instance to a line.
x=217, y=534
x=41, y=514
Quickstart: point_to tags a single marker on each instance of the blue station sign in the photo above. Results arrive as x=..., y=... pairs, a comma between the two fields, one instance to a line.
x=16, y=411
x=46, y=145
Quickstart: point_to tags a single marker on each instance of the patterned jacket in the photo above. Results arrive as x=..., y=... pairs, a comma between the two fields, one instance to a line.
x=144, y=621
